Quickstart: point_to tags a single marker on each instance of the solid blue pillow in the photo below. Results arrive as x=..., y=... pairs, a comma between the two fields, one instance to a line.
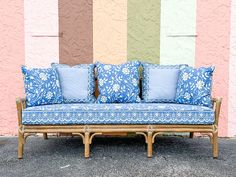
x=41, y=86
x=77, y=82
x=118, y=83
x=159, y=82
x=194, y=86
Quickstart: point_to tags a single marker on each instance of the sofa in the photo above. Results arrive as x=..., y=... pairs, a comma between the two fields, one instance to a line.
x=117, y=99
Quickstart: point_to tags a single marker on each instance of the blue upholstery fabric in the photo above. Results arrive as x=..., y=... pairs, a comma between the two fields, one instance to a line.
x=41, y=86
x=160, y=82
x=194, y=86
x=77, y=82
x=130, y=113
x=118, y=83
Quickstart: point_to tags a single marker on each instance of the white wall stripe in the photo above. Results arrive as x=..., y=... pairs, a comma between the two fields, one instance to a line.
x=41, y=32
x=178, y=30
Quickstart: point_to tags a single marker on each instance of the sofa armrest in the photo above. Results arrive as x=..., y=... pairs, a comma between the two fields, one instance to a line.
x=216, y=105
x=20, y=105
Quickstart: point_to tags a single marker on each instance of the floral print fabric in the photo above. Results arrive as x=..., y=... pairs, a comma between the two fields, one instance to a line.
x=116, y=113
x=41, y=86
x=194, y=86
x=118, y=83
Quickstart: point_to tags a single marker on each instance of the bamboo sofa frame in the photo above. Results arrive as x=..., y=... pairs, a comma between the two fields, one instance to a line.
x=88, y=132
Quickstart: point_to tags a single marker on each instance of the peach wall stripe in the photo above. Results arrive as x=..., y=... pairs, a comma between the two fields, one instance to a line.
x=11, y=59
x=178, y=30
x=232, y=74
x=76, y=29
x=212, y=48
x=110, y=31
x=41, y=32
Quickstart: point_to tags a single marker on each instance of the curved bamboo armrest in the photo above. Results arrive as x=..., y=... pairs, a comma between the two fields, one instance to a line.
x=216, y=106
x=20, y=105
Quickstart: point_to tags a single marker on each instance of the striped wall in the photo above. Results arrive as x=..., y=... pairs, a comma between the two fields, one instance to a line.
x=115, y=31
x=110, y=31
x=11, y=58
x=212, y=48
x=76, y=31
x=41, y=32
x=178, y=31
x=232, y=75
x=143, y=31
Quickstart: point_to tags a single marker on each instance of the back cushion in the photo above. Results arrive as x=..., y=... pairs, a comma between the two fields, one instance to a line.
x=77, y=82
x=160, y=82
x=41, y=86
x=118, y=83
x=194, y=86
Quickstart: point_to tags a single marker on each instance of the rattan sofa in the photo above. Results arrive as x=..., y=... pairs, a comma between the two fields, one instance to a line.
x=88, y=131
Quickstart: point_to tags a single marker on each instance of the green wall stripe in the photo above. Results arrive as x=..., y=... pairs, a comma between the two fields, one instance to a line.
x=144, y=30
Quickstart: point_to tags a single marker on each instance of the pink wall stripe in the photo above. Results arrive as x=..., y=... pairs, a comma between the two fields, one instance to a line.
x=12, y=57
x=232, y=74
x=212, y=48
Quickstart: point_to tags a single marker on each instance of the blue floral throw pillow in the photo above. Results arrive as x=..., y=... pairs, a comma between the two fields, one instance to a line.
x=194, y=86
x=77, y=82
x=41, y=86
x=118, y=83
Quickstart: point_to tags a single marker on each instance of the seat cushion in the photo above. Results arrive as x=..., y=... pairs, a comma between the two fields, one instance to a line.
x=130, y=113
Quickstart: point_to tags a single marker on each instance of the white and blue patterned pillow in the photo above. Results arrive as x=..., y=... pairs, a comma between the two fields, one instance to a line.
x=77, y=82
x=194, y=86
x=159, y=82
x=41, y=86
x=118, y=83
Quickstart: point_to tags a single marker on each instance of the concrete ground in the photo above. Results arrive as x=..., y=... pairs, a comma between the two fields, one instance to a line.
x=116, y=156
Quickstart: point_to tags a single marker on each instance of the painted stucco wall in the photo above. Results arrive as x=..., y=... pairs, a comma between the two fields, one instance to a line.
x=232, y=75
x=197, y=32
x=212, y=48
x=143, y=31
x=11, y=58
x=110, y=31
x=41, y=33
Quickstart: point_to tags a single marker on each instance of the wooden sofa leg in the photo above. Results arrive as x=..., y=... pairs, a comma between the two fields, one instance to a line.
x=215, y=144
x=149, y=144
x=45, y=136
x=191, y=135
x=86, y=145
x=20, y=145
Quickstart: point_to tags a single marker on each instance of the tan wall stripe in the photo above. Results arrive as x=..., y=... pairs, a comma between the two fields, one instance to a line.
x=144, y=30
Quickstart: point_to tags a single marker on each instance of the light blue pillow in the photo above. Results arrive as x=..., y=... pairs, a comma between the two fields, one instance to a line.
x=77, y=82
x=118, y=83
x=194, y=86
x=159, y=82
x=41, y=86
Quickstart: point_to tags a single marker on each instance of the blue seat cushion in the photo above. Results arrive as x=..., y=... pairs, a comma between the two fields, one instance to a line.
x=129, y=113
